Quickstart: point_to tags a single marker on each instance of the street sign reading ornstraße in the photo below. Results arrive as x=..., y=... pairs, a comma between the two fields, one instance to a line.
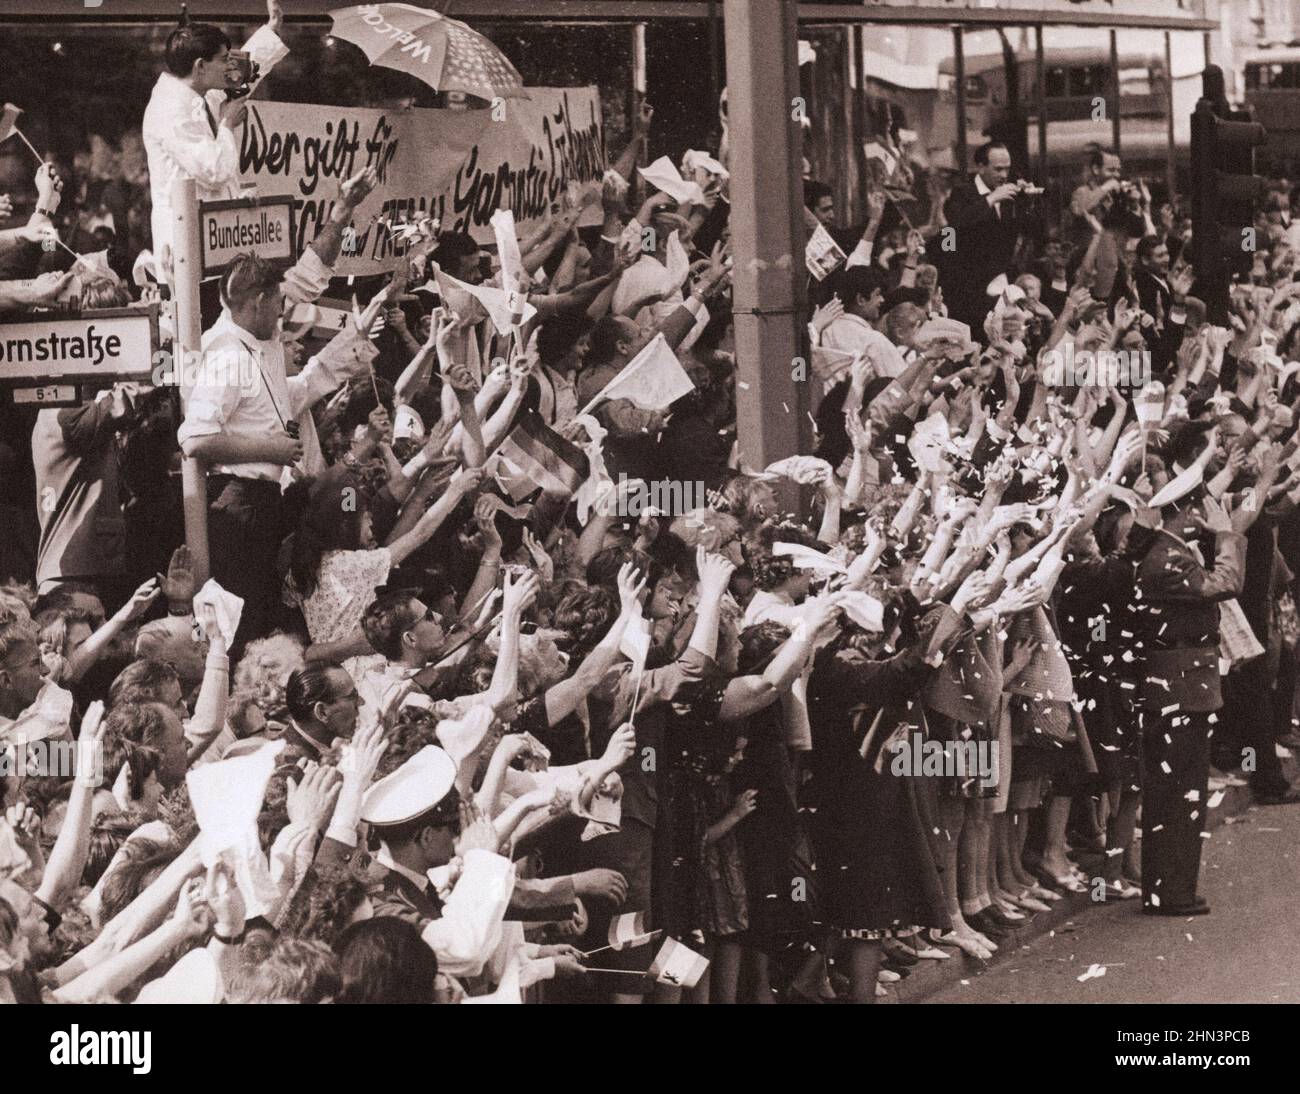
x=260, y=226
x=94, y=347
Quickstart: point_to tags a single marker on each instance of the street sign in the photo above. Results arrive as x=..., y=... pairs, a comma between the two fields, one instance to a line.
x=95, y=347
x=50, y=395
x=260, y=226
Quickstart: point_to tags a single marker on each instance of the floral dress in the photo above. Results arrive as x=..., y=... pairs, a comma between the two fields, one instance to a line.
x=345, y=588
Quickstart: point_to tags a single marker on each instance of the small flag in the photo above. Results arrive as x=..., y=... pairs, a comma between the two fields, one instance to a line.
x=653, y=380
x=628, y=931
x=1150, y=403
x=9, y=121
x=678, y=965
x=543, y=458
x=636, y=644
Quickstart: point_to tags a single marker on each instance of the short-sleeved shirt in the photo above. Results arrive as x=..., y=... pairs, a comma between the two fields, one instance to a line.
x=345, y=588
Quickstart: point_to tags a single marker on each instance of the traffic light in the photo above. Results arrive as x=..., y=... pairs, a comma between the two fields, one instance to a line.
x=1225, y=194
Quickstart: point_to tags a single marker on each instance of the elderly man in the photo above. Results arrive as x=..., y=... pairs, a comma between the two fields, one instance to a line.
x=249, y=422
x=189, y=124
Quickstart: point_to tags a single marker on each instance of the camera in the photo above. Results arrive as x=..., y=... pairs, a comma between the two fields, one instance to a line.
x=241, y=71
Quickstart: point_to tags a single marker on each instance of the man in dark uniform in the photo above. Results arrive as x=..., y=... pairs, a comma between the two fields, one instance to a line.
x=1176, y=624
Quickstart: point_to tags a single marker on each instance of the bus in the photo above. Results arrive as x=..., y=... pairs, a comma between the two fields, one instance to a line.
x=1075, y=97
x=1271, y=78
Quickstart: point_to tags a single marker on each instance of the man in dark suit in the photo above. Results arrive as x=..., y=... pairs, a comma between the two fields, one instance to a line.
x=1152, y=278
x=1176, y=639
x=982, y=216
x=1163, y=297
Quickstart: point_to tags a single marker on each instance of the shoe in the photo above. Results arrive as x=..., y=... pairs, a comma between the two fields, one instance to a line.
x=998, y=916
x=932, y=953
x=1066, y=883
x=990, y=928
x=1122, y=890
x=1044, y=893
x=1198, y=907
x=1226, y=779
x=1289, y=796
x=1031, y=904
x=1283, y=753
x=887, y=976
x=899, y=954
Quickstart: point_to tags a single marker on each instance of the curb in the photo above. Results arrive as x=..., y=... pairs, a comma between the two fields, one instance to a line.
x=930, y=977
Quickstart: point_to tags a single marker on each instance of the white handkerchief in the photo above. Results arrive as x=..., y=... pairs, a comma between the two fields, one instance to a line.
x=803, y=469
x=863, y=608
x=226, y=797
x=805, y=558
x=663, y=175
x=228, y=606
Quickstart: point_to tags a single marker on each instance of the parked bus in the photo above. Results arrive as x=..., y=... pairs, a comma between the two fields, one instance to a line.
x=1272, y=81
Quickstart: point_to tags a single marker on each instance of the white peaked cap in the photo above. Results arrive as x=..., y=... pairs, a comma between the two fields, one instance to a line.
x=414, y=788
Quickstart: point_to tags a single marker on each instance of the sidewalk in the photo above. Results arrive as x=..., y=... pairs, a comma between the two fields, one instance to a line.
x=931, y=977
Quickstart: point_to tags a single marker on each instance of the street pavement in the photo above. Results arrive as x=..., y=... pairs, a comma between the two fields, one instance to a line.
x=1246, y=951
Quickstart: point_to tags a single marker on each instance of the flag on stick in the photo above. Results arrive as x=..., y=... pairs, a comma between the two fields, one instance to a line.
x=9, y=126
x=543, y=458
x=653, y=380
x=678, y=965
x=627, y=931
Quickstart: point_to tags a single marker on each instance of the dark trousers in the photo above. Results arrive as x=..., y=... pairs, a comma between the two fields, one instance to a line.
x=1248, y=716
x=247, y=521
x=1175, y=761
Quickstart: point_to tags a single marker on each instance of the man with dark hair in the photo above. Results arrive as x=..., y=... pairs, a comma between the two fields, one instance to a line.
x=410, y=635
x=189, y=124
x=459, y=255
x=982, y=217
x=251, y=423
x=820, y=200
x=1101, y=179
x=862, y=291
x=323, y=705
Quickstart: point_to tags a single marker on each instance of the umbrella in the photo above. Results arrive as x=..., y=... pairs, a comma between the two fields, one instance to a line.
x=444, y=53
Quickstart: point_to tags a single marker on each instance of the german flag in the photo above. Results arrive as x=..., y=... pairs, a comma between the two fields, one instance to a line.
x=541, y=457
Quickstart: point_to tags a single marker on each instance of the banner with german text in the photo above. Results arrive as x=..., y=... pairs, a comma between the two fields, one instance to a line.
x=457, y=165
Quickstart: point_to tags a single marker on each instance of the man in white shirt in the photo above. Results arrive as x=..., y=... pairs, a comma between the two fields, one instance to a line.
x=861, y=288
x=410, y=635
x=189, y=124
x=250, y=422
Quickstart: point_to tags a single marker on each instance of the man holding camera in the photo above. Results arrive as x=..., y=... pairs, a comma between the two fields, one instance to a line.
x=250, y=422
x=189, y=124
x=982, y=213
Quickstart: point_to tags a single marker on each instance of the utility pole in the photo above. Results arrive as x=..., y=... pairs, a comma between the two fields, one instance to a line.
x=767, y=230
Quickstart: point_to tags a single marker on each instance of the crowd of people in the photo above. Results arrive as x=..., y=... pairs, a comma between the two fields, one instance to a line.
x=453, y=720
